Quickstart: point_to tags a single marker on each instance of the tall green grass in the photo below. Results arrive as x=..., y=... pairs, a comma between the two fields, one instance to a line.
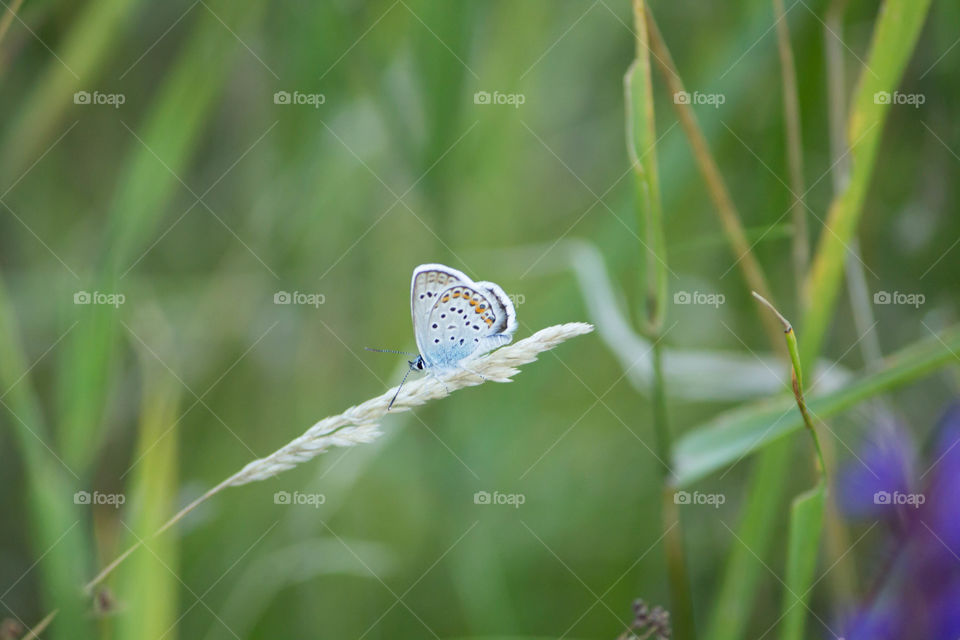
x=104, y=191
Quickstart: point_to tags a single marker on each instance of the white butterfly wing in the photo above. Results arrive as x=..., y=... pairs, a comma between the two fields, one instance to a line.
x=506, y=313
x=426, y=285
x=455, y=318
x=464, y=322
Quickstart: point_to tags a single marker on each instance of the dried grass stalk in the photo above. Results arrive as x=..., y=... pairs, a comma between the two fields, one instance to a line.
x=360, y=423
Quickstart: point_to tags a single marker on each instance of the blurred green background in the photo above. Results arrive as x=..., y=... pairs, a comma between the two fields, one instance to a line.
x=201, y=196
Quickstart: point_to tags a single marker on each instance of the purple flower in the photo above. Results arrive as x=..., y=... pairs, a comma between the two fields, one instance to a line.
x=941, y=512
x=879, y=623
x=884, y=468
x=918, y=590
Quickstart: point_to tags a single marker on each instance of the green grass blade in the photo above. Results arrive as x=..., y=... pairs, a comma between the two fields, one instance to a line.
x=148, y=586
x=740, y=432
x=58, y=533
x=806, y=514
x=731, y=610
x=641, y=138
x=170, y=133
x=641, y=146
x=894, y=38
x=84, y=49
x=806, y=523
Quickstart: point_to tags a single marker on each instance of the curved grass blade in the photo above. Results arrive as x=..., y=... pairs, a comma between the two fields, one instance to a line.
x=160, y=149
x=57, y=536
x=641, y=146
x=736, y=434
x=93, y=33
x=806, y=512
x=894, y=37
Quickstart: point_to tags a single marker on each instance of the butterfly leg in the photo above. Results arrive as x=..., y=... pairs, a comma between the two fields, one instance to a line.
x=440, y=380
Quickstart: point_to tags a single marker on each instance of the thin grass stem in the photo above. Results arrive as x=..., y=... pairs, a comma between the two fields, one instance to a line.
x=360, y=423
x=8, y=17
x=716, y=187
x=791, y=118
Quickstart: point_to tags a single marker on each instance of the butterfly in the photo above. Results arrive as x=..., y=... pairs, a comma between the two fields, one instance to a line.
x=455, y=319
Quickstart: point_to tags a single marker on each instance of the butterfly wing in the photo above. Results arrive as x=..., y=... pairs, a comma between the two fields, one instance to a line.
x=428, y=282
x=506, y=313
x=467, y=319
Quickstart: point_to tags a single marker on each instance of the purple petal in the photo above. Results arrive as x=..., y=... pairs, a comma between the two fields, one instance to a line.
x=882, y=469
x=880, y=623
x=941, y=513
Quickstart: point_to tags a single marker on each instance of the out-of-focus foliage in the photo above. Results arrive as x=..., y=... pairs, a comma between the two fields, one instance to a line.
x=326, y=149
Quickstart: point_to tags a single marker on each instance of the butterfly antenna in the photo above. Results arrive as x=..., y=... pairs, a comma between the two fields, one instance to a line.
x=394, y=399
x=403, y=353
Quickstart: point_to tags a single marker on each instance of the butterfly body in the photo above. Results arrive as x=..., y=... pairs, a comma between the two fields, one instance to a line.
x=455, y=319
